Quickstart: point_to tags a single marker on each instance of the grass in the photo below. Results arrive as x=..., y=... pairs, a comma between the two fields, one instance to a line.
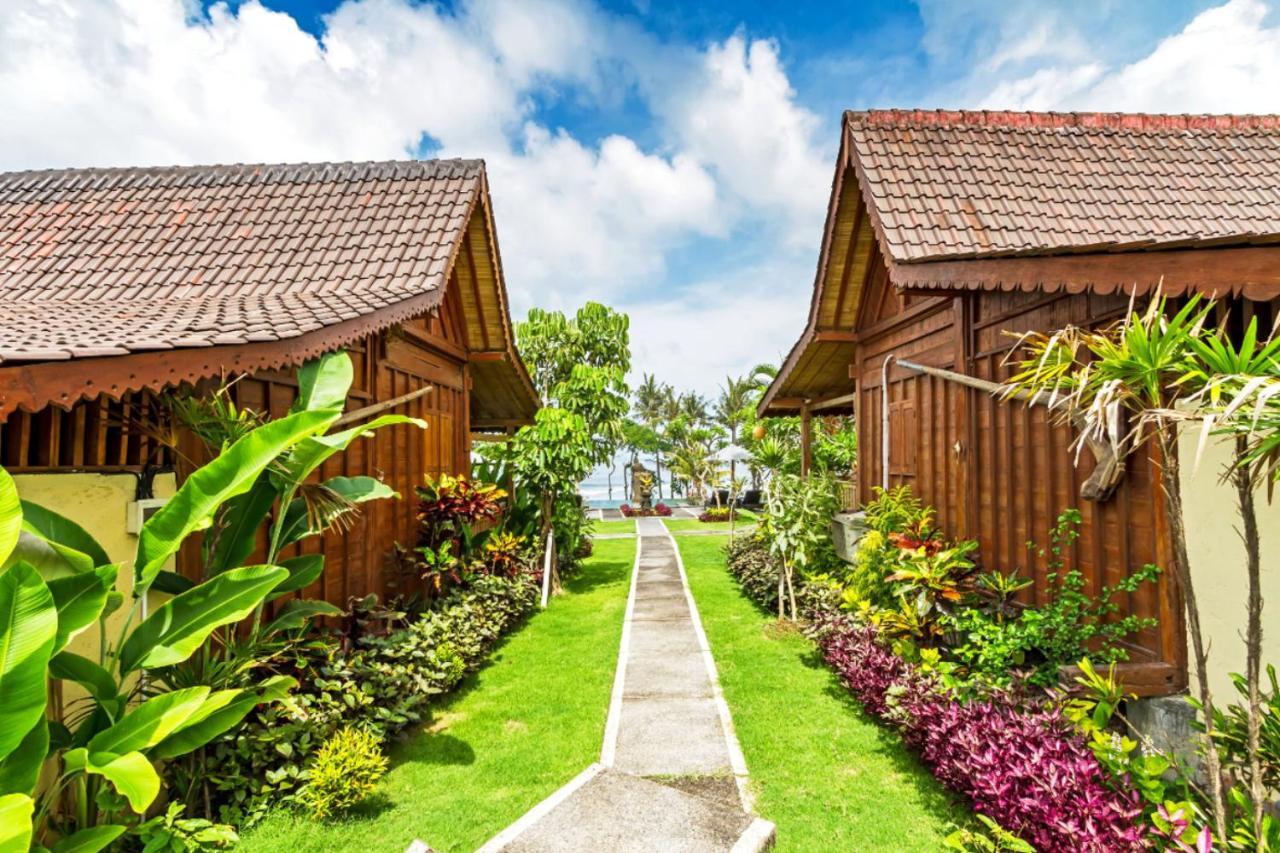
x=827, y=775
x=510, y=735
x=746, y=518
x=626, y=525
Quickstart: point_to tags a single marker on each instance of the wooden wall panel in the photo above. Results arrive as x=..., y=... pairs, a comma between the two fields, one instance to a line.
x=1002, y=473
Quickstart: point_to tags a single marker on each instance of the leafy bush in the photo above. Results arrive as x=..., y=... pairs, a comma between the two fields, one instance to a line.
x=345, y=771
x=717, y=513
x=384, y=684
x=173, y=833
x=1022, y=764
x=755, y=568
x=749, y=560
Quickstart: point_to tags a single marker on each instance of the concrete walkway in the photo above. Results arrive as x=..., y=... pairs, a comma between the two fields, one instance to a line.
x=671, y=776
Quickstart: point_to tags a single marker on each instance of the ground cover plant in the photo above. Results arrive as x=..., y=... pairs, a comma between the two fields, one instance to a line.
x=828, y=775
x=507, y=736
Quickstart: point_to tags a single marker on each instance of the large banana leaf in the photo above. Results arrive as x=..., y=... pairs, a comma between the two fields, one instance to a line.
x=296, y=614
x=221, y=711
x=297, y=522
x=10, y=515
x=245, y=515
x=80, y=600
x=151, y=722
x=28, y=629
x=232, y=473
x=177, y=628
x=47, y=558
x=89, y=840
x=96, y=681
x=323, y=383
x=20, y=769
x=314, y=450
x=131, y=773
x=61, y=530
x=303, y=571
x=15, y=823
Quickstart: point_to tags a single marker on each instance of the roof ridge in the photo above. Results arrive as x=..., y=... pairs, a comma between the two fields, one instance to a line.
x=1031, y=119
x=238, y=172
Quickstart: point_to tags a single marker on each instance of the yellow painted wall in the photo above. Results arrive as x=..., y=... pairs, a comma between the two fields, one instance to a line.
x=1217, y=562
x=98, y=503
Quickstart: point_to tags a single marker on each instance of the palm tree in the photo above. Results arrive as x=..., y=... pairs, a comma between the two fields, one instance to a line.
x=656, y=404
x=732, y=409
x=692, y=407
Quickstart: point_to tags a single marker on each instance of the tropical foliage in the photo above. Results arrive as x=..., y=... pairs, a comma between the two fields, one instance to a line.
x=1138, y=381
x=144, y=700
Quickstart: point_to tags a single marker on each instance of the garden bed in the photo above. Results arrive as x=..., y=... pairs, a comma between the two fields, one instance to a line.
x=509, y=735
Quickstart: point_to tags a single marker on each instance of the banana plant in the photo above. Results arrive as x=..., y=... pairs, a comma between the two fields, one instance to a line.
x=56, y=582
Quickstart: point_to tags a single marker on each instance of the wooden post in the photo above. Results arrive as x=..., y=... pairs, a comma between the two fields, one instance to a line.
x=806, y=439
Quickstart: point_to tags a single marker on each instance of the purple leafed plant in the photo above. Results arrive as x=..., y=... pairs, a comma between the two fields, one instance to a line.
x=1023, y=765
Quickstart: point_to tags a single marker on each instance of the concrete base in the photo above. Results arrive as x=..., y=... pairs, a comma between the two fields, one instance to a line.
x=847, y=530
x=1166, y=720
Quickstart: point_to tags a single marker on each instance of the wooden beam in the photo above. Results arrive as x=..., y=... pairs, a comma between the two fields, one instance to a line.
x=806, y=440
x=488, y=356
x=1252, y=272
x=835, y=337
x=833, y=402
x=378, y=408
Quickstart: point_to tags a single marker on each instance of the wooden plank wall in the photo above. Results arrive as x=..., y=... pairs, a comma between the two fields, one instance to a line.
x=358, y=561
x=112, y=436
x=1001, y=473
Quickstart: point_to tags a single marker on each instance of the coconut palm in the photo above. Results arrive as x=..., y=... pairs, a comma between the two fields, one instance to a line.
x=733, y=408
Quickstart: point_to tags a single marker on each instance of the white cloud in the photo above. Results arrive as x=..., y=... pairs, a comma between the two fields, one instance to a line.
x=1226, y=59
x=722, y=326
x=741, y=119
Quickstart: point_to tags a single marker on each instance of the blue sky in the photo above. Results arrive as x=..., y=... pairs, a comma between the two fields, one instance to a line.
x=669, y=158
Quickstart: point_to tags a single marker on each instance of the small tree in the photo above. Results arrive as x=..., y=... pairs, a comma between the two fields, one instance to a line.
x=797, y=527
x=579, y=366
x=550, y=457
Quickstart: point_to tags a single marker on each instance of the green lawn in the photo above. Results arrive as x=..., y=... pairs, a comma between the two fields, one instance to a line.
x=514, y=732
x=824, y=772
x=746, y=518
x=626, y=525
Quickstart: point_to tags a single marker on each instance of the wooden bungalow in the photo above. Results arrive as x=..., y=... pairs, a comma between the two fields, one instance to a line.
x=119, y=284
x=945, y=230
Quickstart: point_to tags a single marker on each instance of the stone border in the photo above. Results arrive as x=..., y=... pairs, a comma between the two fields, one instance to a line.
x=737, y=761
x=609, y=747
x=535, y=814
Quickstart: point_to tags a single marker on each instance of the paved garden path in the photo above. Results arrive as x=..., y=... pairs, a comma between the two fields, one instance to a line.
x=671, y=776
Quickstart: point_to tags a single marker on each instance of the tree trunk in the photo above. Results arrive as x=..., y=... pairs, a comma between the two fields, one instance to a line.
x=548, y=510
x=657, y=473
x=1243, y=476
x=1170, y=480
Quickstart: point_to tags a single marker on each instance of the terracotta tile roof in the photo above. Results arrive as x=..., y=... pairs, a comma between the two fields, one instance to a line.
x=952, y=185
x=107, y=261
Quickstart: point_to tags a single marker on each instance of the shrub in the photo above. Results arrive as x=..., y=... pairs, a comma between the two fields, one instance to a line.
x=344, y=773
x=383, y=685
x=755, y=568
x=717, y=513
x=1022, y=764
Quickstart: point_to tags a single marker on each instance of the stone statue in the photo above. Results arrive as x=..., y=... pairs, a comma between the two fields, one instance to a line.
x=642, y=485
